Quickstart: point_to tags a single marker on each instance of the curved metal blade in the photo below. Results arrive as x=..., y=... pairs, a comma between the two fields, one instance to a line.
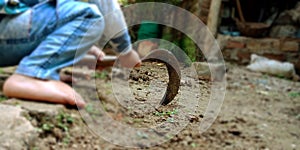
x=173, y=67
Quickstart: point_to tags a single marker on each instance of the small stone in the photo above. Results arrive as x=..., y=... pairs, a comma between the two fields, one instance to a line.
x=74, y=146
x=58, y=133
x=97, y=147
x=51, y=140
x=185, y=143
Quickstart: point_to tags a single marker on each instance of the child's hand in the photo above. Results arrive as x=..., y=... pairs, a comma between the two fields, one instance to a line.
x=130, y=60
x=99, y=54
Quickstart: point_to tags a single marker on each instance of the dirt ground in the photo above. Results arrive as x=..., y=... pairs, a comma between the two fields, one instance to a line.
x=259, y=112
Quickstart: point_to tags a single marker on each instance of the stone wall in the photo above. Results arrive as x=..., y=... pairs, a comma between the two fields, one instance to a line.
x=239, y=49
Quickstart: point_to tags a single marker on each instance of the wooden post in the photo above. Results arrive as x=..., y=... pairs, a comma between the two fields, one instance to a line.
x=213, y=16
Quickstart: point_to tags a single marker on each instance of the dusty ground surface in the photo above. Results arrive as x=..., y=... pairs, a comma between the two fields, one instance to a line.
x=259, y=112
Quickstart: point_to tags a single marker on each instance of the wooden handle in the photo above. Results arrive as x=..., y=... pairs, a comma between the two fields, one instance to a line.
x=90, y=60
x=239, y=7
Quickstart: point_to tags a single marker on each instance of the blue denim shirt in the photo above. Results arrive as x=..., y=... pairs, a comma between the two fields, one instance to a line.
x=115, y=25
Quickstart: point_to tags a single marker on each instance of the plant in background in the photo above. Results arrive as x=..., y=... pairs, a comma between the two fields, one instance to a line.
x=169, y=34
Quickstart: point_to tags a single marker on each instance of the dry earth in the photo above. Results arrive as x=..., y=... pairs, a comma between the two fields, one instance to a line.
x=259, y=112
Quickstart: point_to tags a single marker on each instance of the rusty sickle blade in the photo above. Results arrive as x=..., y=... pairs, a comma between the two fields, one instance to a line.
x=173, y=67
x=162, y=56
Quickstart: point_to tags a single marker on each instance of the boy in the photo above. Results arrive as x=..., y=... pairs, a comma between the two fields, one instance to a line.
x=43, y=37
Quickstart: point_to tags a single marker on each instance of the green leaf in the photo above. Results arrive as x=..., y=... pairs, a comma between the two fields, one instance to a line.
x=47, y=127
x=194, y=145
x=101, y=75
x=70, y=119
x=294, y=94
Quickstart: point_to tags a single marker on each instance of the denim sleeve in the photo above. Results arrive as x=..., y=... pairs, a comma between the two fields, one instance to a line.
x=122, y=44
x=115, y=25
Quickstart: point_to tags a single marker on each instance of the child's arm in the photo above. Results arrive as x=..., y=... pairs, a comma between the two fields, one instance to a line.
x=116, y=30
x=115, y=25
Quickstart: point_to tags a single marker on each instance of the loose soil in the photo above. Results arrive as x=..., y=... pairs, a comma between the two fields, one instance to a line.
x=259, y=112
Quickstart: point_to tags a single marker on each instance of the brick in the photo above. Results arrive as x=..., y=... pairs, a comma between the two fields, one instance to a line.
x=243, y=56
x=235, y=44
x=290, y=46
x=240, y=38
x=279, y=57
x=263, y=44
x=274, y=43
x=226, y=53
x=253, y=45
x=230, y=54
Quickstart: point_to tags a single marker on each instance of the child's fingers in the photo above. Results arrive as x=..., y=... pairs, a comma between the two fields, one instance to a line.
x=99, y=54
x=138, y=65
